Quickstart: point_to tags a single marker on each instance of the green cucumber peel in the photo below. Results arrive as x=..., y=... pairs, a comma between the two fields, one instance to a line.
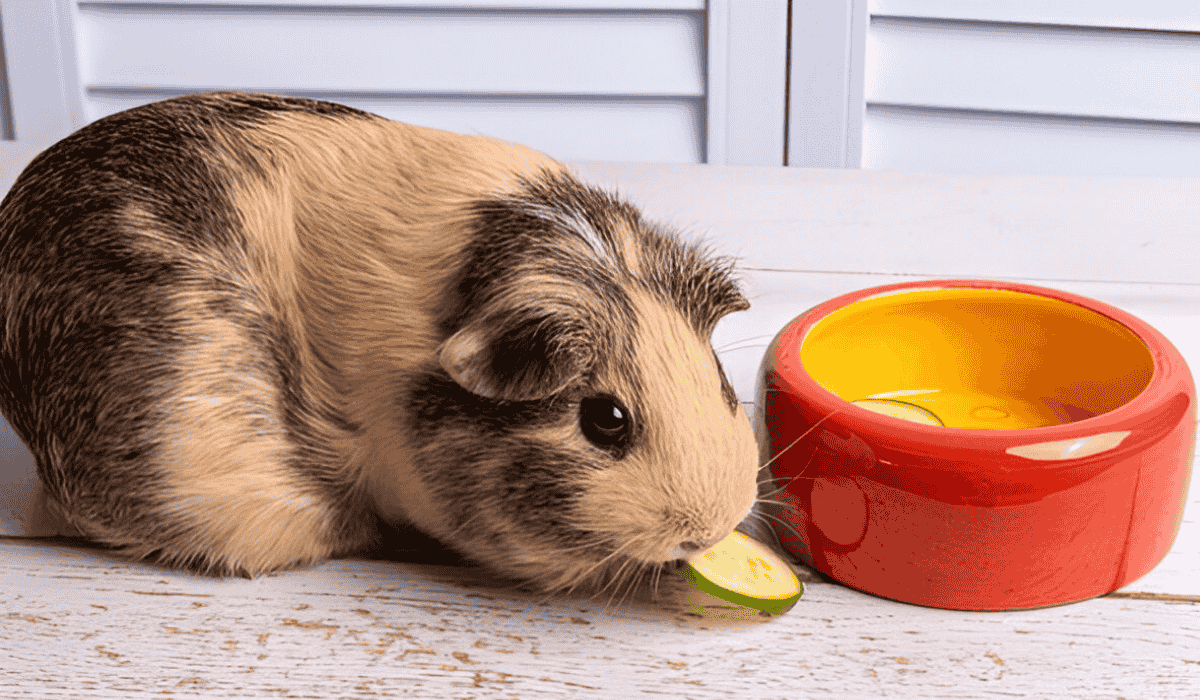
x=737, y=546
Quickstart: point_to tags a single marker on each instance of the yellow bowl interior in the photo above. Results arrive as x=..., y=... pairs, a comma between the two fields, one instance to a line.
x=977, y=358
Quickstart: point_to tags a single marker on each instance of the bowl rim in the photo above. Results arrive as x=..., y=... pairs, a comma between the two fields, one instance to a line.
x=1169, y=370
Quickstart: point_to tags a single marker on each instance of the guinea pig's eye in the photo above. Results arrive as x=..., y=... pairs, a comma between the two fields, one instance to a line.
x=605, y=421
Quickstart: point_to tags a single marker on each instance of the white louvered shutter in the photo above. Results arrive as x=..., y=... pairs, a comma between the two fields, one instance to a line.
x=684, y=81
x=1064, y=87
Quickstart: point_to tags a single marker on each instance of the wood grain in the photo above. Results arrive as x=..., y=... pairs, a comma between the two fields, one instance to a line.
x=76, y=622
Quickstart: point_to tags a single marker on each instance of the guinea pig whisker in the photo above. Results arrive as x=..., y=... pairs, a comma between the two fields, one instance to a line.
x=736, y=348
x=781, y=504
x=637, y=578
x=739, y=341
x=778, y=489
x=569, y=583
x=770, y=479
x=613, y=580
x=625, y=578
x=605, y=559
x=768, y=516
x=619, y=581
x=802, y=436
x=583, y=575
x=773, y=479
x=658, y=572
x=774, y=502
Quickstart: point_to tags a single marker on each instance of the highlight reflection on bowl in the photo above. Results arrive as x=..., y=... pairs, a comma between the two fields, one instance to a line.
x=977, y=445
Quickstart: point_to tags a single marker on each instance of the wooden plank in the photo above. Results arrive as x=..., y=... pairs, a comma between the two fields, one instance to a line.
x=77, y=623
x=1021, y=68
x=658, y=130
x=1040, y=228
x=388, y=51
x=988, y=142
x=1163, y=15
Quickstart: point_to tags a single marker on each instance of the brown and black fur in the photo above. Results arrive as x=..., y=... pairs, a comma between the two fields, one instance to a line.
x=240, y=332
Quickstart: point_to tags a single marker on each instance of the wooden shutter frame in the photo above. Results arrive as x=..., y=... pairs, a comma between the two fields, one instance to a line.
x=43, y=80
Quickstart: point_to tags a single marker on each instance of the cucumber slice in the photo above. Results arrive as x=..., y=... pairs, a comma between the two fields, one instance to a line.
x=744, y=572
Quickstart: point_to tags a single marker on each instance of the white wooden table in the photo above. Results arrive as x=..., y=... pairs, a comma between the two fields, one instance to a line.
x=75, y=622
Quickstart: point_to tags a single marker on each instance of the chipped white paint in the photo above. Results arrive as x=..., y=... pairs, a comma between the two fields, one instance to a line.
x=75, y=623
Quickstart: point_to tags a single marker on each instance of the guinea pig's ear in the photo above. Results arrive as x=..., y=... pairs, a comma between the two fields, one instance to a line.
x=722, y=295
x=518, y=360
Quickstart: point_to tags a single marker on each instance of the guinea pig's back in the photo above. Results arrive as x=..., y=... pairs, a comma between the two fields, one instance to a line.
x=141, y=355
x=173, y=281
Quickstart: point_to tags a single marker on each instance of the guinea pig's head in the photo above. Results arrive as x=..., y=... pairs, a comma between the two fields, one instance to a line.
x=577, y=427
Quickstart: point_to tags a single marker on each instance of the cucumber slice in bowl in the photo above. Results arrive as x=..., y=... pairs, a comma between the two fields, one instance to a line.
x=744, y=572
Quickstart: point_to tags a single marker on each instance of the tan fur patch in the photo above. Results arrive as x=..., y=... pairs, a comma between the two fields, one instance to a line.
x=630, y=252
x=373, y=232
x=695, y=478
x=376, y=238
x=226, y=453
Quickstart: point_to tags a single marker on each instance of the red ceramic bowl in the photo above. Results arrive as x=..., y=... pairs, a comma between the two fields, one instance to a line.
x=977, y=445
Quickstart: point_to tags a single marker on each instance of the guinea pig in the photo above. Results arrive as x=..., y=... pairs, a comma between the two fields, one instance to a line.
x=244, y=332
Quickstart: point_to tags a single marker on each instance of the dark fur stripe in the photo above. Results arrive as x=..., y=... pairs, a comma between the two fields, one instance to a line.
x=681, y=273
x=535, y=485
x=103, y=320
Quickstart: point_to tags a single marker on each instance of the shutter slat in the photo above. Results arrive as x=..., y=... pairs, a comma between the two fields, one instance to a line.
x=378, y=50
x=452, y=5
x=645, y=130
x=1034, y=69
x=959, y=141
x=1163, y=15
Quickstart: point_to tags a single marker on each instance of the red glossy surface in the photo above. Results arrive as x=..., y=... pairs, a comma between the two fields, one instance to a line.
x=945, y=517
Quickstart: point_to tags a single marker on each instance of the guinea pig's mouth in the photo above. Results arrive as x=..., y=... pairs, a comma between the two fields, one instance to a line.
x=684, y=549
x=688, y=546
x=643, y=543
x=678, y=549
